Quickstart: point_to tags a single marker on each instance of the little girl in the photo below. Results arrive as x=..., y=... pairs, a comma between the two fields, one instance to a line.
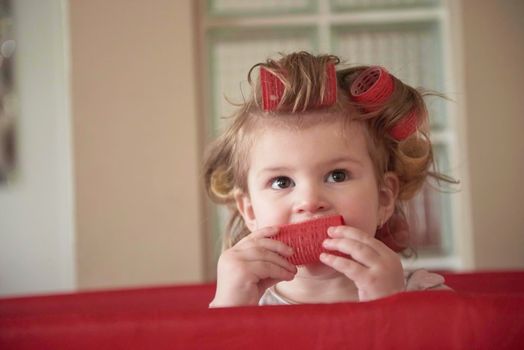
x=312, y=142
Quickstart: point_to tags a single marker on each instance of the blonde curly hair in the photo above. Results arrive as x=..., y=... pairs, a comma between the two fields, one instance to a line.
x=303, y=76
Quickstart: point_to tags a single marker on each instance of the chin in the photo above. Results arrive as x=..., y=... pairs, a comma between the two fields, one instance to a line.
x=316, y=269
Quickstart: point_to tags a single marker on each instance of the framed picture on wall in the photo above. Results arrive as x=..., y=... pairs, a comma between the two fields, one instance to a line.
x=7, y=94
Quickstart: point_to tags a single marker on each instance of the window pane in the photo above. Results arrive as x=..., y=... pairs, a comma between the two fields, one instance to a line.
x=380, y=4
x=259, y=7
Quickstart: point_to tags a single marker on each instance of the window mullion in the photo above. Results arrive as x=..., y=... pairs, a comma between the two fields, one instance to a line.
x=324, y=26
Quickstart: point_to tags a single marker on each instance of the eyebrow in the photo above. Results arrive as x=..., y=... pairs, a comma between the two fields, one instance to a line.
x=273, y=170
x=344, y=159
x=337, y=160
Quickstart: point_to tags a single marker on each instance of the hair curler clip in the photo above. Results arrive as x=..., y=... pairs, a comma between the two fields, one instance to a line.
x=372, y=88
x=273, y=89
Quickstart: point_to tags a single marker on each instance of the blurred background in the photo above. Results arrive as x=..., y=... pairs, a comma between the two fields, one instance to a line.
x=106, y=108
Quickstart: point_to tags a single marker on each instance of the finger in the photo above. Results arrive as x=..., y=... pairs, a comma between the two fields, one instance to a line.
x=358, y=235
x=264, y=232
x=270, y=273
x=258, y=234
x=361, y=252
x=275, y=246
x=348, y=232
x=267, y=243
x=267, y=256
x=352, y=269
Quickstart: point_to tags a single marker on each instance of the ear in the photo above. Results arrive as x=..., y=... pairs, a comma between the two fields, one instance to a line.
x=245, y=208
x=388, y=196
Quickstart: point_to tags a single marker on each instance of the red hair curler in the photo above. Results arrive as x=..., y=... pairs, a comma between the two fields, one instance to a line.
x=306, y=238
x=405, y=127
x=394, y=233
x=372, y=88
x=273, y=89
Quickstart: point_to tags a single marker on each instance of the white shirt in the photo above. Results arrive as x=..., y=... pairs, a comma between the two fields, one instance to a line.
x=417, y=280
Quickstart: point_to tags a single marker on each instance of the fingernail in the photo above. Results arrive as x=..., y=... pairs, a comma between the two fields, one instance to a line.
x=326, y=243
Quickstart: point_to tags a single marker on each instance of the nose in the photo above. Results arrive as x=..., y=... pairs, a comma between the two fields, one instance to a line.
x=310, y=200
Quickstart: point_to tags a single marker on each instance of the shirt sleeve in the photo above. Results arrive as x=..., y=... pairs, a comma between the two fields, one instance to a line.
x=425, y=280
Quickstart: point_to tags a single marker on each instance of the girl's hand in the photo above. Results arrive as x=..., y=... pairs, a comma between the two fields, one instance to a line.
x=375, y=269
x=251, y=266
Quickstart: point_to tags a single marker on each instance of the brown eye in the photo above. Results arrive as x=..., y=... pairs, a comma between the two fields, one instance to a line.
x=338, y=175
x=281, y=182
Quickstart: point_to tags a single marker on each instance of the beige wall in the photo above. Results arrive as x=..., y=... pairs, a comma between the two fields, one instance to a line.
x=493, y=38
x=138, y=210
x=135, y=143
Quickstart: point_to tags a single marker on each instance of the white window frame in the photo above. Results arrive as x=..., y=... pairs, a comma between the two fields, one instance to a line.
x=453, y=136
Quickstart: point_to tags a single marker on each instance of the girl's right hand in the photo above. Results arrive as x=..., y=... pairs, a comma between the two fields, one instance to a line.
x=251, y=266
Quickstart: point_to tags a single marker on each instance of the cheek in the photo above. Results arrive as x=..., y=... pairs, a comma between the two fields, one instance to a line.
x=365, y=220
x=361, y=211
x=269, y=213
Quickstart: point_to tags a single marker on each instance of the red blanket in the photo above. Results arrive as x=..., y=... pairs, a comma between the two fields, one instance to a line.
x=485, y=312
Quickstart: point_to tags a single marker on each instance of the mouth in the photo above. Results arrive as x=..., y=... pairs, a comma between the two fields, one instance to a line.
x=306, y=238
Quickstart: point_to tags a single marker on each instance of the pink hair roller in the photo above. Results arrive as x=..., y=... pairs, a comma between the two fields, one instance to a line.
x=372, y=88
x=273, y=89
x=306, y=239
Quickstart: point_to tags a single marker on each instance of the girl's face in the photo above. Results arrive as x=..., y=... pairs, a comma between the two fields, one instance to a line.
x=297, y=175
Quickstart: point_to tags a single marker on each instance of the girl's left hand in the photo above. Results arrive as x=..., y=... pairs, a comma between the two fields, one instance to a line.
x=375, y=269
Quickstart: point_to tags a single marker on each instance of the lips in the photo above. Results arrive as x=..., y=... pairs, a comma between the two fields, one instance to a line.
x=306, y=238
